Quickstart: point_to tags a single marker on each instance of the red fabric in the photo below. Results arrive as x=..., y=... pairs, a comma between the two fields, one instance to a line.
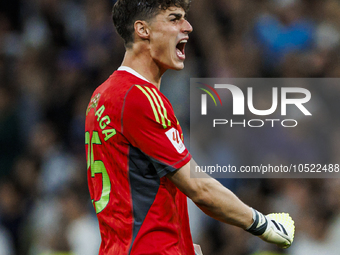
x=165, y=229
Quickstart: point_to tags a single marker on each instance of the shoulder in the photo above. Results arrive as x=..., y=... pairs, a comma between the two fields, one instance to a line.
x=145, y=94
x=146, y=100
x=112, y=93
x=116, y=88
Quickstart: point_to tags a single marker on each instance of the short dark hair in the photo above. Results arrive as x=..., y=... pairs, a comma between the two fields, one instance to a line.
x=126, y=12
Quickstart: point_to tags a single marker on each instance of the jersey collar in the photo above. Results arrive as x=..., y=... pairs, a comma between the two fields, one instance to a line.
x=130, y=70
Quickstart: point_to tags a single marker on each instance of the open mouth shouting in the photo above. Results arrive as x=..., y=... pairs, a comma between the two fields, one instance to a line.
x=180, y=48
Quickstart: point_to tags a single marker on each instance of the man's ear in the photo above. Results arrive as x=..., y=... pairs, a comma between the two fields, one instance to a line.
x=142, y=29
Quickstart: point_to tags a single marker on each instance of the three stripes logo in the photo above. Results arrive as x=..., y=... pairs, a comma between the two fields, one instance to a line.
x=157, y=105
x=204, y=97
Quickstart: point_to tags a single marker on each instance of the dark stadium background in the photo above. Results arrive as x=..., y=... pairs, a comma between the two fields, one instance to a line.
x=54, y=53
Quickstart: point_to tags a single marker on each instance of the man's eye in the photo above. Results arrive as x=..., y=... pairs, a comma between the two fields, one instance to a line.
x=176, y=18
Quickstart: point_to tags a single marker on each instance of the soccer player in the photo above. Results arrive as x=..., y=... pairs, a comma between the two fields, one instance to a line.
x=138, y=166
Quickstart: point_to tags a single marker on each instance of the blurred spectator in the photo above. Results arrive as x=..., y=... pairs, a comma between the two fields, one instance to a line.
x=82, y=229
x=57, y=167
x=280, y=32
x=12, y=212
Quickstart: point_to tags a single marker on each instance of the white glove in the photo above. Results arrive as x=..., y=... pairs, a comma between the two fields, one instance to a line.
x=277, y=228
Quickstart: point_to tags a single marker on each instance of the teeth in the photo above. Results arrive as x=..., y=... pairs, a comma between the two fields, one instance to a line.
x=183, y=41
x=179, y=53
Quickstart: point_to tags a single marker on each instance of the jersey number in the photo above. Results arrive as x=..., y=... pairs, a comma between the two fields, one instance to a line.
x=98, y=167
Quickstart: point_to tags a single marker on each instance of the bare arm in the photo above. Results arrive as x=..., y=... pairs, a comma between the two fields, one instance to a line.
x=212, y=197
x=220, y=203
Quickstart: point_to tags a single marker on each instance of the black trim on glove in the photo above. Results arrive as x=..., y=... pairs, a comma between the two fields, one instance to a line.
x=257, y=230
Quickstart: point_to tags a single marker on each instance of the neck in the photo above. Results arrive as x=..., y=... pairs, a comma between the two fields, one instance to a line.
x=144, y=65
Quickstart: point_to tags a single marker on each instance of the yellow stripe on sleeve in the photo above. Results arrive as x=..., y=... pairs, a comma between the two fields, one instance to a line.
x=151, y=102
x=158, y=106
x=164, y=109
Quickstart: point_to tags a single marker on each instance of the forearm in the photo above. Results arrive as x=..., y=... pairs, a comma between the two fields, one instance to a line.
x=220, y=203
x=211, y=196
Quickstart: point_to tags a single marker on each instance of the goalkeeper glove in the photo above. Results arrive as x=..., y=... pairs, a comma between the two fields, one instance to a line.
x=277, y=228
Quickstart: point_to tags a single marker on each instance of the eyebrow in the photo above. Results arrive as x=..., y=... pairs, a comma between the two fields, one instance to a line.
x=178, y=15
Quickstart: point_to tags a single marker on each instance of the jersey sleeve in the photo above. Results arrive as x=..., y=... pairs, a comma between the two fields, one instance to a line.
x=149, y=124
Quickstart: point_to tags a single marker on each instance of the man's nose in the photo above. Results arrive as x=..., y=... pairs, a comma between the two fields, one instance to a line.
x=187, y=28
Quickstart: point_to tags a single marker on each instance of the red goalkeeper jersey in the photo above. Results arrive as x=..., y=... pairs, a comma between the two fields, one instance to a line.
x=133, y=140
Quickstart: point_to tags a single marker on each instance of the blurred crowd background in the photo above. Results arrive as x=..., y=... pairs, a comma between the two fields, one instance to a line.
x=54, y=53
